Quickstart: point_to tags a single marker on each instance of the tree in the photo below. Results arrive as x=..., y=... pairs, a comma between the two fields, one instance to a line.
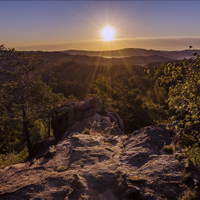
x=23, y=96
x=101, y=88
x=183, y=80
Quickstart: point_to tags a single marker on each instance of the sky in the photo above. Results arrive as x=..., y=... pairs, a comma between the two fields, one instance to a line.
x=64, y=25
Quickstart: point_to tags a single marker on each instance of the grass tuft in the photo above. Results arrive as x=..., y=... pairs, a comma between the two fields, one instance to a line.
x=86, y=131
x=169, y=148
x=62, y=168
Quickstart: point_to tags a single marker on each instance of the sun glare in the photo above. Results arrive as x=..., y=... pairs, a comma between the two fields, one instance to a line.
x=108, y=33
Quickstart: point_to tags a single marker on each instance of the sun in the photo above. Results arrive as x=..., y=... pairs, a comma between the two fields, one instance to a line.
x=108, y=33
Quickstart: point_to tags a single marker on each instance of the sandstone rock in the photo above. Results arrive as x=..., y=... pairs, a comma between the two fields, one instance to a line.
x=88, y=104
x=114, y=117
x=85, y=114
x=108, y=194
x=100, y=166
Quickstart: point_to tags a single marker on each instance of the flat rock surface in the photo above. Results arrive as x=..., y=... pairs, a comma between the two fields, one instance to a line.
x=100, y=167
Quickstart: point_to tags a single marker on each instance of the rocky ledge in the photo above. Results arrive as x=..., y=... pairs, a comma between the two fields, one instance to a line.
x=99, y=163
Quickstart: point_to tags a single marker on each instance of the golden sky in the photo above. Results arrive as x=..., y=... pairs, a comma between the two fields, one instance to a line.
x=64, y=25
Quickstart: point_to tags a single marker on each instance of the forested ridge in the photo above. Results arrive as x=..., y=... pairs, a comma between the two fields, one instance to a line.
x=153, y=94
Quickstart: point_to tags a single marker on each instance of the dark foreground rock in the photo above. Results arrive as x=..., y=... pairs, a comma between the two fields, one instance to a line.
x=96, y=166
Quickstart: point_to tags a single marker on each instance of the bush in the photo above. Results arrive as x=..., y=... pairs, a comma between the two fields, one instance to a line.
x=189, y=195
x=183, y=81
x=194, y=155
x=187, y=140
x=13, y=158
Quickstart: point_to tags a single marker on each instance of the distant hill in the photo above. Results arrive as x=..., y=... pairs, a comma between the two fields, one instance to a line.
x=129, y=52
x=129, y=56
x=60, y=57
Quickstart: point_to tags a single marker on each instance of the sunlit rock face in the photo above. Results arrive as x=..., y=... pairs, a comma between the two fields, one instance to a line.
x=95, y=160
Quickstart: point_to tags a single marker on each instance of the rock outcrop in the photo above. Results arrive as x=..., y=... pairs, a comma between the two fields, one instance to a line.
x=85, y=114
x=99, y=163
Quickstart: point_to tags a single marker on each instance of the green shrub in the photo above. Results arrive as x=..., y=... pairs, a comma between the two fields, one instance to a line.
x=194, y=155
x=155, y=110
x=189, y=195
x=182, y=78
x=187, y=140
x=13, y=157
x=71, y=98
x=16, y=146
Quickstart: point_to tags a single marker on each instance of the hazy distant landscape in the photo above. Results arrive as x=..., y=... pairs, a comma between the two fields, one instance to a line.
x=130, y=52
x=129, y=56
